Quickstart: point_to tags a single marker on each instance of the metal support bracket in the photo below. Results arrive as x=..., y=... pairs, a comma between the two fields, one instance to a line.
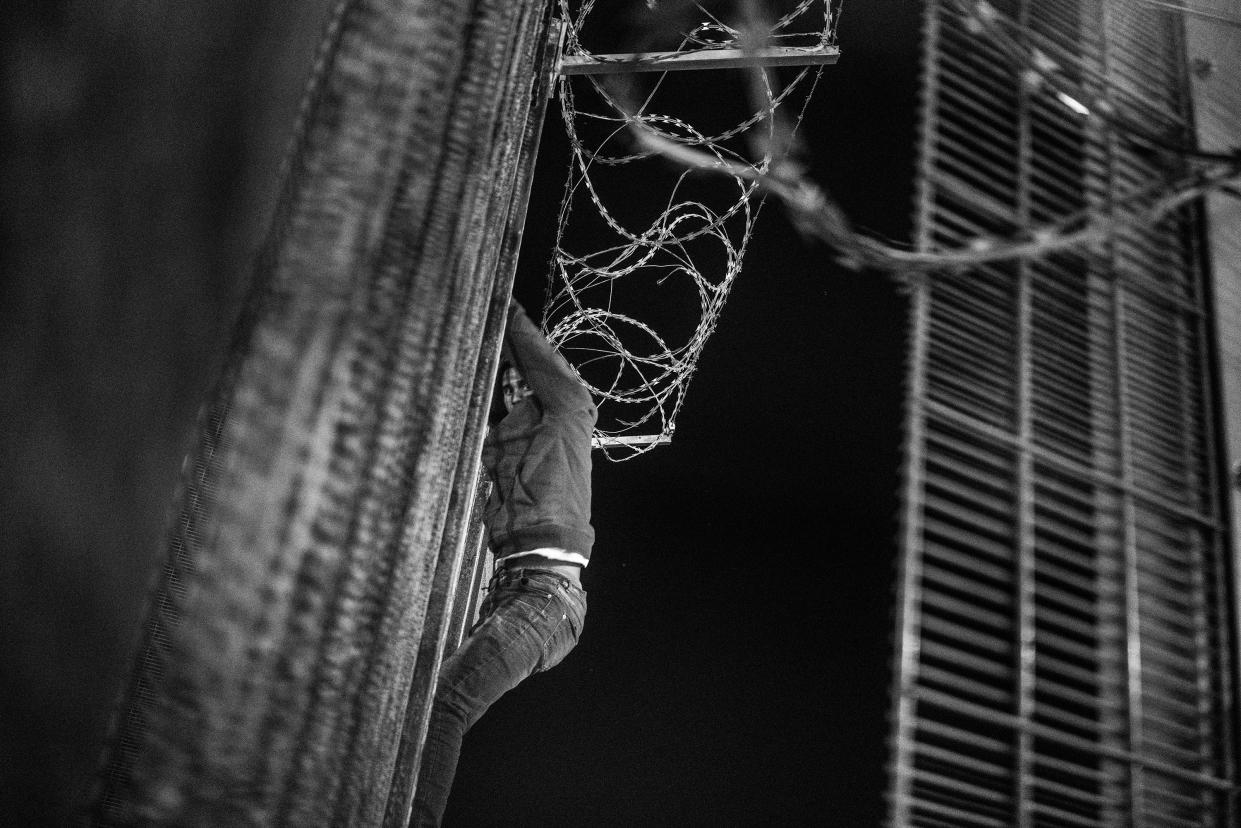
x=704, y=59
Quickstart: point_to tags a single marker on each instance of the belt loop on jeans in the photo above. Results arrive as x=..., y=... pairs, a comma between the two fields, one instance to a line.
x=523, y=574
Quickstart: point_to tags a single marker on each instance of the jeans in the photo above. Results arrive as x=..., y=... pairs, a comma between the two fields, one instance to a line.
x=529, y=621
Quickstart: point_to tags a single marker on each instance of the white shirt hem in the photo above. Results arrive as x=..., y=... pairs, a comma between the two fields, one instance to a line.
x=551, y=554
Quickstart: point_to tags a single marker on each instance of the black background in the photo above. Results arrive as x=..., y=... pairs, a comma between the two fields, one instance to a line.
x=735, y=665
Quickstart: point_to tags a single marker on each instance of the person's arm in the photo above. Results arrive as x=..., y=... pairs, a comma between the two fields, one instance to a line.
x=550, y=378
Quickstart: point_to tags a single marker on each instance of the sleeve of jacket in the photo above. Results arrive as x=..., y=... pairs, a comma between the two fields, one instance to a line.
x=546, y=372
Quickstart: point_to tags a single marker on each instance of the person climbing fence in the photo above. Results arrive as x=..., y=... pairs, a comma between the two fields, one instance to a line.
x=538, y=527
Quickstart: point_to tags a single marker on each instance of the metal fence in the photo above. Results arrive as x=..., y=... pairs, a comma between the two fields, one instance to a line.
x=325, y=516
x=1066, y=636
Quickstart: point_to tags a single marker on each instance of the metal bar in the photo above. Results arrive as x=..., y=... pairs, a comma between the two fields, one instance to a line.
x=960, y=759
x=473, y=573
x=960, y=818
x=704, y=59
x=1193, y=331
x=963, y=686
x=986, y=714
x=1217, y=568
x=910, y=566
x=985, y=430
x=1130, y=594
x=1027, y=620
x=961, y=788
x=602, y=441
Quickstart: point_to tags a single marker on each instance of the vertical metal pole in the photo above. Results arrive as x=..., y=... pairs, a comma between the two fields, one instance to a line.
x=909, y=575
x=1211, y=571
x=1216, y=100
x=1216, y=108
x=1128, y=529
x=1130, y=572
x=1024, y=507
x=476, y=565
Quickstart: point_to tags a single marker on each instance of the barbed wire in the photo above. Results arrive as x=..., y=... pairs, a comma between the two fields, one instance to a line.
x=819, y=217
x=631, y=363
x=598, y=307
x=815, y=214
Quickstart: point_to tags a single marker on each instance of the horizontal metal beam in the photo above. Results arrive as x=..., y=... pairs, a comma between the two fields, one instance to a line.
x=634, y=440
x=1069, y=740
x=702, y=59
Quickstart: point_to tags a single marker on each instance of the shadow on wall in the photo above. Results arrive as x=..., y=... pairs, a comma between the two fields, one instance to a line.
x=139, y=160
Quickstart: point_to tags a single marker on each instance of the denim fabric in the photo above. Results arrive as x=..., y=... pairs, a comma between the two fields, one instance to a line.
x=528, y=623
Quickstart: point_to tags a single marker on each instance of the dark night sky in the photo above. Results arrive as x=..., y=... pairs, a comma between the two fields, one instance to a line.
x=734, y=669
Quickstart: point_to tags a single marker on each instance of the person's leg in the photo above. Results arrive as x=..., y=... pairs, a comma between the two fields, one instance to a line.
x=530, y=624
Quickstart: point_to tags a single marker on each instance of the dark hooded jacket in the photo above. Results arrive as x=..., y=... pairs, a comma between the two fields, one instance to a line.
x=538, y=456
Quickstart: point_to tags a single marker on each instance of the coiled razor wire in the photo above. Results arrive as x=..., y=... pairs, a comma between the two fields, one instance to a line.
x=632, y=299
